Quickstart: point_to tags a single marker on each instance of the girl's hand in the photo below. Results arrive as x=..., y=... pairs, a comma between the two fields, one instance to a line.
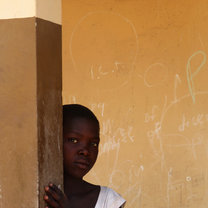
x=55, y=198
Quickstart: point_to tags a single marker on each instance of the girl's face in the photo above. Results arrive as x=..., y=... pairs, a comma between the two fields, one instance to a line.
x=81, y=140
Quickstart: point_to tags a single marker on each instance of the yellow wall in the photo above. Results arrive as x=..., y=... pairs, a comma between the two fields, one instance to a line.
x=141, y=66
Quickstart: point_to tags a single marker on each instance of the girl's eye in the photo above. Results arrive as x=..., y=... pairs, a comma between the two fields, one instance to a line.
x=94, y=144
x=73, y=140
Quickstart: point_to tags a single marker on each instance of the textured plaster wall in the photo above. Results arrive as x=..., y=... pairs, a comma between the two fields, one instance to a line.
x=30, y=111
x=18, y=114
x=49, y=103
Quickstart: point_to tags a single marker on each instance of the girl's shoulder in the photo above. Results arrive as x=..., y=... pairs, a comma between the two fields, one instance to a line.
x=108, y=198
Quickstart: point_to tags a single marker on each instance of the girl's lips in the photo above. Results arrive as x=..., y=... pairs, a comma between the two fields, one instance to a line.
x=82, y=164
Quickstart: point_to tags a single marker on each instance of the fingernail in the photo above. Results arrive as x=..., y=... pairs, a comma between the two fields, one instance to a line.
x=46, y=188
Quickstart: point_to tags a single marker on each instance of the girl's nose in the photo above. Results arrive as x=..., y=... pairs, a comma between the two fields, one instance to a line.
x=84, y=151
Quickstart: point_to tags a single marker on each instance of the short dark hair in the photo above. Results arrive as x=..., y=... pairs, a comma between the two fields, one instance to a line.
x=71, y=111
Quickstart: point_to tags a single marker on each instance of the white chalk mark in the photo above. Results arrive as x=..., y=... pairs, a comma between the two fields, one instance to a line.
x=151, y=141
x=162, y=153
x=201, y=42
x=101, y=12
x=169, y=184
x=98, y=106
x=176, y=83
x=194, y=142
x=138, y=194
x=148, y=71
x=91, y=72
x=117, y=65
x=100, y=71
x=190, y=143
x=131, y=137
x=74, y=99
x=95, y=176
x=184, y=124
x=188, y=178
x=97, y=70
x=167, y=107
x=108, y=146
x=148, y=117
x=197, y=120
x=164, y=109
x=140, y=76
x=191, y=75
x=69, y=99
x=114, y=166
x=178, y=145
x=155, y=136
x=102, y=109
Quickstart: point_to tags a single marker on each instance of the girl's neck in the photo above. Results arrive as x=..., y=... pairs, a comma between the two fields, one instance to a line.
x=75, y=185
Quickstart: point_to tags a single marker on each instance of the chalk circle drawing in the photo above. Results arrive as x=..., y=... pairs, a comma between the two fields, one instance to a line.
x=103, y=48
x=156, y=74
x=117, y=177
x=191, y=74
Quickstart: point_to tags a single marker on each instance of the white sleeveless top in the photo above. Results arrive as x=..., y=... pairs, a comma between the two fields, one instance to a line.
x=108, y=198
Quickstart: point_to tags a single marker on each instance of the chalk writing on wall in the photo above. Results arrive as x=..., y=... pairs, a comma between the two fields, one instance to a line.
x=143, y=71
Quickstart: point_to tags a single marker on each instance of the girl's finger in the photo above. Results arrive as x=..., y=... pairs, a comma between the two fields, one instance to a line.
x=51, y=202
x=51, y=192
x=55, y=188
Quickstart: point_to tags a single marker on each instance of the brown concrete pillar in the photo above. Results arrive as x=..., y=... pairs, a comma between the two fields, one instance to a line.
x=30, y=106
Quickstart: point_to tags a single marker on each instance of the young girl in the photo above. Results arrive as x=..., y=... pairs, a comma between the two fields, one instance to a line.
x=81, y=140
